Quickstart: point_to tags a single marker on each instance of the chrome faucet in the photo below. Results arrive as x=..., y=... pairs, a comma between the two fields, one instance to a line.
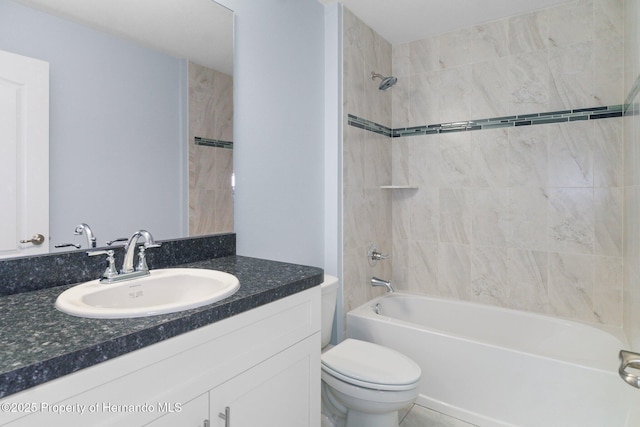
x=381, y=282
x=127, y=272
x=86, y=230
x=129, y=249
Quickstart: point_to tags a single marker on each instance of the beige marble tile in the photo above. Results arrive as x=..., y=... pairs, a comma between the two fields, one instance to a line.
x=571, y=149
x=528, y=32
x=571, y=286
x=608, y=231
x=424, y=55
x=456, y=94
x=455, y=215
x=490, y=219
x=571, y=22
x=608, y=18
x=456, y=159
x=490, y=151
x=608, y=79
x=529, y=83
x=527, y=274
x=423, y=268
x=607, y=293
x=572, y=76
x=528, y=156
x=454, y=271
x=423, y=213
x=425, y=161
x=489, y=276
x=608, y=156
x=490, y=40
x=527, y=218
x=425, y=95
x=571, y=220
x=490, y=94
x=455, y=48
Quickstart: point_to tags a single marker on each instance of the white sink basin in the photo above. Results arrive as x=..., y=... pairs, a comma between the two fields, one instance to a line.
x=163, y=291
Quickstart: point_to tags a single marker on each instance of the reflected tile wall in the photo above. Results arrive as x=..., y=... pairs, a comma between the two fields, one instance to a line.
x=210, y=168
x=526, y=217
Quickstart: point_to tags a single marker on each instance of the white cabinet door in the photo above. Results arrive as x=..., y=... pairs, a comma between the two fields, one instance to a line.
x=24, y=154
x=194, y=413
x=279, y=392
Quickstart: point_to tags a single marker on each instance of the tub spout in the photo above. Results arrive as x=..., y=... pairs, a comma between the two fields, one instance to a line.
x=381, y=282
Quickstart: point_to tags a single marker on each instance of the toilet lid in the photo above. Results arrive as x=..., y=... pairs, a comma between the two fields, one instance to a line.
x=371, y=365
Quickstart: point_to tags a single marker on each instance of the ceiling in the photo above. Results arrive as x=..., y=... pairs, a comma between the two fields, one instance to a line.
x=402, y=21
x=202, y=30
x=198, y=30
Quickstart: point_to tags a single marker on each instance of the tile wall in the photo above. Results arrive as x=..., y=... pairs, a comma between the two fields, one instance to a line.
x=366, y=161
x=526, y=217
x=211, y=161
x=632, y=175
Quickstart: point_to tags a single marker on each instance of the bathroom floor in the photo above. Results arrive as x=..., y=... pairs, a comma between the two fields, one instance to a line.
x=419, y=416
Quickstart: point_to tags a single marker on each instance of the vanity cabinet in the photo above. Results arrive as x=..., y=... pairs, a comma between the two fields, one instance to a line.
x=263, y=364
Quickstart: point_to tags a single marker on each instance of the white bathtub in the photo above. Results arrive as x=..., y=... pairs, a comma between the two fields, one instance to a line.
x=497, y=367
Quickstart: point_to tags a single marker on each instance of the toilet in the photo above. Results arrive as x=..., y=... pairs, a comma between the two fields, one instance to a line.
x=363, y=384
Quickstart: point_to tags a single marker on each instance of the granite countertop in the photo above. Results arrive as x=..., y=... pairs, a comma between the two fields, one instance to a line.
x=39, y=343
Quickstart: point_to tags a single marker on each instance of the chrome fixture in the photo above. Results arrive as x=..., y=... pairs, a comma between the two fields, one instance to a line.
x=386, y=83
x=119, y=239
x=381, y=282
x=128, y=272
x=66, y=245
x=129, y=249
x=86, y=230
x=111, y=273
x=374, y=255
x=376, y=308
x=631, y=360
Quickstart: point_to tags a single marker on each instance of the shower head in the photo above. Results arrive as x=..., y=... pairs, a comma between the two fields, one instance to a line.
x=386, y=83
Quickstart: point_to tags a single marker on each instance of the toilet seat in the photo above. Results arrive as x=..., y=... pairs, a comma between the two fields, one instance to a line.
x=371, y=366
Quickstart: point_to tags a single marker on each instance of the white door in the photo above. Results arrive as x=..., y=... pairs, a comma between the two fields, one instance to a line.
x=24, y=155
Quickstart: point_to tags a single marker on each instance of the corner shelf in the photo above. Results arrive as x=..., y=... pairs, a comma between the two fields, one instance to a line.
x=399, y=187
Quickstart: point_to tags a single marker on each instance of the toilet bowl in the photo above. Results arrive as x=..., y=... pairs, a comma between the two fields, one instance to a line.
x=363, y=384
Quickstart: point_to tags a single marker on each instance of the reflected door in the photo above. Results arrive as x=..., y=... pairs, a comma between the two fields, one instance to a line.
x=24, y=155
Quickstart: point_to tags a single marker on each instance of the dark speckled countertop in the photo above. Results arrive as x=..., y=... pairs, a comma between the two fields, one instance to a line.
x=39, y=343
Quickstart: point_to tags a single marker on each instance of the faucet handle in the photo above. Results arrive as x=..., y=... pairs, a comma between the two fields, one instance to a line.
x=142, y=260
x=119, y=239
x=111, y=270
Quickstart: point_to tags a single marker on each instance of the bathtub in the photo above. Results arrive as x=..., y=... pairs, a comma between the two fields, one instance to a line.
x=497, y=367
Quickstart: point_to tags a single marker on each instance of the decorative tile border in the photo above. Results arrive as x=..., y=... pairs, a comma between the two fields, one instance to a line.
x=368, y=125
x=563, y=116
x=212, y=142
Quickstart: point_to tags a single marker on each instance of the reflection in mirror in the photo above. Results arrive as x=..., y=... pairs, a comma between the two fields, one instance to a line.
x=210, y=151
x=122, y=107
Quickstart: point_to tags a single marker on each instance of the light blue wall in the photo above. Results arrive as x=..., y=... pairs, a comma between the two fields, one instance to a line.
x=279, y=129
x=117, y=126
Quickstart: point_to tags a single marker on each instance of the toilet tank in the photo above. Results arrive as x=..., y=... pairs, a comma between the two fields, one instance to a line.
x=329, y=290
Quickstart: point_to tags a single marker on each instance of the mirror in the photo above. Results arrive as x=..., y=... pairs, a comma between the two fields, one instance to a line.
x=133, y=86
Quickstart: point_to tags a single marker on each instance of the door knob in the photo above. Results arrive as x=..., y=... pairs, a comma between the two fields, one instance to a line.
x=38, y=239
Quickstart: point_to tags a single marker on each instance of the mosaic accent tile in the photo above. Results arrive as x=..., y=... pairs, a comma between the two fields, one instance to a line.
x=368, y=125
x=212, y=142
x=562, y=116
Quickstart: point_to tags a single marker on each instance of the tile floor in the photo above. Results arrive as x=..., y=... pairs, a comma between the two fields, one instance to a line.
x=419, y=416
